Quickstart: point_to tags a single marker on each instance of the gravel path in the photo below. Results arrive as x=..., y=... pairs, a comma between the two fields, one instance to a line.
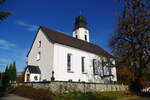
x=13, y=97
x=142, y=99
x=135, y=98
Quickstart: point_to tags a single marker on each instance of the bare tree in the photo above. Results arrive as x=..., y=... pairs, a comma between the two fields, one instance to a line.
x=3, y=14
x=131, y=42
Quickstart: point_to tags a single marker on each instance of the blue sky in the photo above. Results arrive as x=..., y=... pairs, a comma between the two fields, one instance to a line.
x=18, y=30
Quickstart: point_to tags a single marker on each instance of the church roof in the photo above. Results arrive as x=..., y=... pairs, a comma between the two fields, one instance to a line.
x=64, y=39
x=80, y=21
x=34, y=69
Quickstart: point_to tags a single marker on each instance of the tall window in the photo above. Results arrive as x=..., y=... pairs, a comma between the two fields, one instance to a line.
x=76, y=36
x=83, y=63
x=38, y=56
x=39, y=44
x=85, y=37
x=28, y=77
x=110, y=72
x=68, y=62
x=94, y=65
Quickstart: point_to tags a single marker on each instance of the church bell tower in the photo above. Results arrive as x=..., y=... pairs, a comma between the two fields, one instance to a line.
x=80, y=30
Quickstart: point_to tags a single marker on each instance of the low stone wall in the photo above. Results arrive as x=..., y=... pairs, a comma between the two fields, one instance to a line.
x=74, y=86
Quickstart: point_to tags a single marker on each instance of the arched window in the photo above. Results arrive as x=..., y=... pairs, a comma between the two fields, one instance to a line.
x=39, y=44
x=38, y=56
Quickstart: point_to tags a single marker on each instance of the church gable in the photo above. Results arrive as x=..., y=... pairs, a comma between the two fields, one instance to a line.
x=41, y=49
x=41, y=54
x=39, y=39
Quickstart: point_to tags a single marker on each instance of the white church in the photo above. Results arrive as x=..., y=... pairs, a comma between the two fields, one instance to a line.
x=55, y=56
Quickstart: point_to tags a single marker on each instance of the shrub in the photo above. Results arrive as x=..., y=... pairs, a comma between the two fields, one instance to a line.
x=135, y=86
x=41, y=94
x=36, y=94
x=86, y=96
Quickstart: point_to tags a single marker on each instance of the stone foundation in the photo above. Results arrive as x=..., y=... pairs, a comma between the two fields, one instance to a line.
x=58, y=86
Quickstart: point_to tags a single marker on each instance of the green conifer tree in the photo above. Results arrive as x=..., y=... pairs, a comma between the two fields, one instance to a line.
x=10, y=69
x=6, y=77
x=14, y=73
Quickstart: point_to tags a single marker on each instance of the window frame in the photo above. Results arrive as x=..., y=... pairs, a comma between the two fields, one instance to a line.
x=36, y=78
x=85, y=37
x=94, y=69
x=83, y=64
x=76, y=36
x=39, y=44
x=38, y=57
x=69, y=62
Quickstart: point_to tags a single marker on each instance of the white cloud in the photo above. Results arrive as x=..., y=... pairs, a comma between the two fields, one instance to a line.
x=29, y=27
x=3, y=60
x=3, y=63
x=17, y=55
x=6, y=44
x=2, y=67
x=10, y=52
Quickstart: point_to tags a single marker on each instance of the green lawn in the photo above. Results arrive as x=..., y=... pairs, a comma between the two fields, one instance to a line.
x=91, y=96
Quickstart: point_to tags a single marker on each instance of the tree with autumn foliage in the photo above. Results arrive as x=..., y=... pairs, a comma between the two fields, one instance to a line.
x=124, y=73
x=131, y=41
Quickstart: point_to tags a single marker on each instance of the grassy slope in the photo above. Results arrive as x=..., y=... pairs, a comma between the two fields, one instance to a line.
x=92, y=96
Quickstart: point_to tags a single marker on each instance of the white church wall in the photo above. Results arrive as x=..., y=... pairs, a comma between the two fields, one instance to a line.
x=25, y=76
x=60, y=64
x=45, y=61
x=33, y=79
